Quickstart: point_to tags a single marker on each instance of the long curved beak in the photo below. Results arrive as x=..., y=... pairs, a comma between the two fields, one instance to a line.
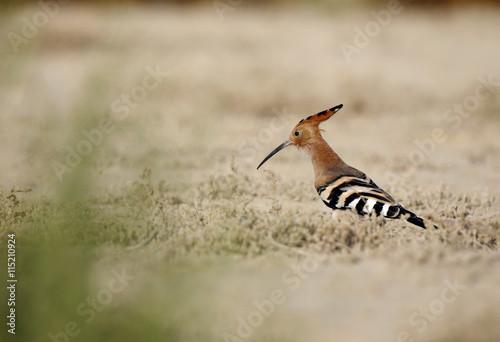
x=276, y=150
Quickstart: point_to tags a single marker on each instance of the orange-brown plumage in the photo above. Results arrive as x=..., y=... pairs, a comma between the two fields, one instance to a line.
x=326, y=163
x=339, y=185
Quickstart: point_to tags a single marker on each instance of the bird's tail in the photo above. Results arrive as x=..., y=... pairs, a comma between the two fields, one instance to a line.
x=414, y=219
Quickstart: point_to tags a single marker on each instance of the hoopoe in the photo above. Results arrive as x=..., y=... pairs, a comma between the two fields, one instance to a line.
x=339, y=185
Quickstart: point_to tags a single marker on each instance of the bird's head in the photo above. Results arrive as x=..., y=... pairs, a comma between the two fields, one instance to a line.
x=304, y=131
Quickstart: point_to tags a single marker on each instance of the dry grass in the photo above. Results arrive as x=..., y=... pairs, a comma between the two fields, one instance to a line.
x=171, y=196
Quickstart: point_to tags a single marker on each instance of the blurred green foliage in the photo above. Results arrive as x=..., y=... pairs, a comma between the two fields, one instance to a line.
x=69, y=247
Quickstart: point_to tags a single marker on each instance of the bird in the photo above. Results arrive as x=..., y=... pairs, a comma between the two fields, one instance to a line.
x=339, y=185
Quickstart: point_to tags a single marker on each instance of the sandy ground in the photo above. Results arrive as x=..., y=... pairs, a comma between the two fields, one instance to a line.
x=97, y=95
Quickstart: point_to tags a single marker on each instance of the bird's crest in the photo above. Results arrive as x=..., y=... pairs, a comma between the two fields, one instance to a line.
x=316, y=119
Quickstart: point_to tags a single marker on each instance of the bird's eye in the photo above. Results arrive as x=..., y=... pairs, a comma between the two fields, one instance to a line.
x=297, y=133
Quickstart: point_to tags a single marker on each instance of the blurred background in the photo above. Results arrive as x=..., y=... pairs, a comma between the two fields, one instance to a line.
x=130, y=132
x=227, y=68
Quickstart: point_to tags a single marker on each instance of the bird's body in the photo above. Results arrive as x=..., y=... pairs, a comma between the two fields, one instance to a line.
x=339, y=185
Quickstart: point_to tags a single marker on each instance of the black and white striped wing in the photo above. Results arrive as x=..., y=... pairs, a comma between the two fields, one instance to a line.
x=360, y=194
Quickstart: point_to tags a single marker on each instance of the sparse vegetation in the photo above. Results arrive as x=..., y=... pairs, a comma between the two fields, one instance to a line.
x=166, y=232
